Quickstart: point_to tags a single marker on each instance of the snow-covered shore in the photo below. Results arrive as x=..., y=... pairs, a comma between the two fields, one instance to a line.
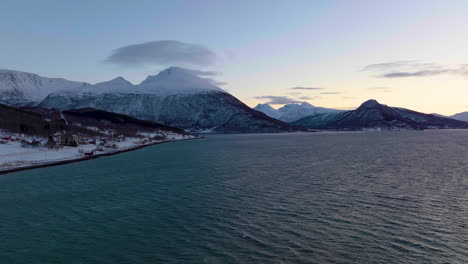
x=14, y=157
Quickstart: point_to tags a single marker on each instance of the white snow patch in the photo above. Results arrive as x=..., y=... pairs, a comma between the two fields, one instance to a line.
x=13, y=155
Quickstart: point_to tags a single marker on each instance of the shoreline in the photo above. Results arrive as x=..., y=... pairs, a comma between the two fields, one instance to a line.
x=84, y=158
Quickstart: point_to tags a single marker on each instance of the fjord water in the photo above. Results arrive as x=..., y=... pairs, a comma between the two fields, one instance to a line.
x=381, y=197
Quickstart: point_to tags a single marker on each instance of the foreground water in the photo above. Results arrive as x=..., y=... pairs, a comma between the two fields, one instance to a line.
x=390, y=197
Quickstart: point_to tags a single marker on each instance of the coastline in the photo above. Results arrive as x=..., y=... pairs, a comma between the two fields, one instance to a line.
x=84, y=158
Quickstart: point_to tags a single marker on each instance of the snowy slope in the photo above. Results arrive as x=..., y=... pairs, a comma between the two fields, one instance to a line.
x=292, y=112
x=176, y=80
x=461, y=116
x=176, y=97
x=22, y=88
x=373, y=115
x=111, y=85
x=267, y=110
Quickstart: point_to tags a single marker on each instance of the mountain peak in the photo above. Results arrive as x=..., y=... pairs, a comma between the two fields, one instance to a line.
x=293, y=112
x=267, y=109
x=14, y=71
x=177, y=70
x=303, y=105
x=177, y=79
x=112, y=85
x=264, y=106
x=172, y=73
x=17, y=87
x=297, y=106
x=307, y=104
x=117, y=81
x=375, y=116
x=119, y=78
x=370, y=103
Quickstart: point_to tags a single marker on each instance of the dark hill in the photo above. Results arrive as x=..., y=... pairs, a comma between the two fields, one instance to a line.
x=42, y=122
x=373, y=115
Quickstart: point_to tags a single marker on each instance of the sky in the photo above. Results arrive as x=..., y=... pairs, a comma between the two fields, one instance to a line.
x=337, y=54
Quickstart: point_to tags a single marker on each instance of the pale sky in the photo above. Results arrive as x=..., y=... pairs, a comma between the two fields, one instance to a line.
x=403, y=53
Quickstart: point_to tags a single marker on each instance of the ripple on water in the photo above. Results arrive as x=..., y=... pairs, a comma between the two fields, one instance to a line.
x=391, y=197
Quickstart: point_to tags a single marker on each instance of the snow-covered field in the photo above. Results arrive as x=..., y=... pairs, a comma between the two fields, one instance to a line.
x=13, y=155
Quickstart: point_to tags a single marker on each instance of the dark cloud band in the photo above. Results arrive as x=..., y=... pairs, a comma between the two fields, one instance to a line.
x=306, y=88
x=403, y=69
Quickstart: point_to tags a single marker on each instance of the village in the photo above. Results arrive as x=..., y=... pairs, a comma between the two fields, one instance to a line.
x=20, y=150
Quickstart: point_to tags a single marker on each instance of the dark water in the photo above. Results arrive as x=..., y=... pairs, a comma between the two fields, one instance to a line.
x=390, y=197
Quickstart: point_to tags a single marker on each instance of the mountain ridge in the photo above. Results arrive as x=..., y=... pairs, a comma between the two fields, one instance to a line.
x=373, y=115
x=463, y=116
x=23, y=88
x=176, y=97
x=293, y=112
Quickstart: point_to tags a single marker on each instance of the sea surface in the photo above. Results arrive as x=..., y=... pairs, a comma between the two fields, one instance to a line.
x=376, y=197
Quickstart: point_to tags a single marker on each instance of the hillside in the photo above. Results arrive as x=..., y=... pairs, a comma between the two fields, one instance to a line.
x=175, y=97
x=21, y=88
x=293, y=112
x=373, y=115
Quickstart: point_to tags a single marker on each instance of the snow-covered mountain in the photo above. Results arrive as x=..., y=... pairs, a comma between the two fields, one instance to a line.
x=267, y=110
x=22, y=88
x=372, y=115
x=116, y=83
x=292, y=112
x=176, y=97
x=461, y=116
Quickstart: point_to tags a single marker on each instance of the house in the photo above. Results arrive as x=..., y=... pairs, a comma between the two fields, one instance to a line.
x=57, y=137
x=9, y=138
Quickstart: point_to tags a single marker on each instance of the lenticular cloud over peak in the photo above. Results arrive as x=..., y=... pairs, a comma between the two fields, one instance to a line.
x=162, y=52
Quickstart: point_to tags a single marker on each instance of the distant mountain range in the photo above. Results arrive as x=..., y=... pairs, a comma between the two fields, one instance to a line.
x=373, y=115
x=292, y=112
x=460, y=116
x=176, y=97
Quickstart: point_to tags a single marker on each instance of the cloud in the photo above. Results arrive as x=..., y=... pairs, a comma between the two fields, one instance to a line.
x=344, y=108
x=388, y=66
x=306, y=98
x=277, y=99
x=162, y=52
x=219, y=83
x=295, y=93
x=330, y=93
x=379, y=88
x=403, y=69
x=413, y=74
x=382, y=89
x=306, y=88
x=202, y=73
x=205, y=75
